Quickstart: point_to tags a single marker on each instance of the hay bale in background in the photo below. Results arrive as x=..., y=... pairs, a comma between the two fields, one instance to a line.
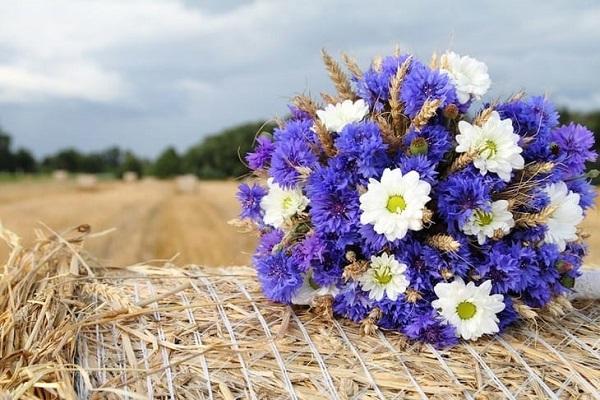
x=130, y=177
x=72, y=329
x=186, y=183
x=87, y=181
x=60, y=175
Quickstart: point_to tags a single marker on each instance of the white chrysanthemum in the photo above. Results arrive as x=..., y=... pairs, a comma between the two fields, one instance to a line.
x=567, y=214
x=470, y=76
x=310, y=290
x=281, y=204
x=395, y=205
x=385, y=276
x=469, y=308
x=484, y=224
x=494, y=145
x=336, y=117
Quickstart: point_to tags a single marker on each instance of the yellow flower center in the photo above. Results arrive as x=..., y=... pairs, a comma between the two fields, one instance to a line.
x=287, y=202
x=483, y=218
x=488, y=149
x=396, y=204
x=466, y=310
x=383, y=275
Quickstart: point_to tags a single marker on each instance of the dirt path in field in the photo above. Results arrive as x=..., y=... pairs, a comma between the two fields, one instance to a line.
x=151, y=219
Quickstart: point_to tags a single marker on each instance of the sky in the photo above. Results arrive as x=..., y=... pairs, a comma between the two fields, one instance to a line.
x=147, y=74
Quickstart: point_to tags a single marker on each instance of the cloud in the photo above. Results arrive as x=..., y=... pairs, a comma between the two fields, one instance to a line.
x=145, y=74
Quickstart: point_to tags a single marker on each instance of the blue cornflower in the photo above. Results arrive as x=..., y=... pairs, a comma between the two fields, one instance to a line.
x=279, y=276
x=422, y=84
x=249, y=198
x=260, y=158
x=362, y=144
x=460, y=194
x=572, y=146
x=430, y=328
x=352, y=302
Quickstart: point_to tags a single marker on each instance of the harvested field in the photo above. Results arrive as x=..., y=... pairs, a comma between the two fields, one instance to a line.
x=153, y=219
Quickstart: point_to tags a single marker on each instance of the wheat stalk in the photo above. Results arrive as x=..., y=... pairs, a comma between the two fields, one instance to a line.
x=427, y=111
x=483, y=116
x=306, y=104
x=460, y=162
x=338, y=77
x=444, y=242
x=325, y=138
x=368, y=326
x=396, y=106
x=529, y=220
x=352, y=66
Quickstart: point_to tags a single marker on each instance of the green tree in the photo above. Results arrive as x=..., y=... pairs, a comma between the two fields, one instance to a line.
x=220, y=156
x=131, y=163
x=24, y=161
x=168, y=164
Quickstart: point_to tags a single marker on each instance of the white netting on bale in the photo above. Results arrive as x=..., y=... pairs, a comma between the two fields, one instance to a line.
x=145, y=332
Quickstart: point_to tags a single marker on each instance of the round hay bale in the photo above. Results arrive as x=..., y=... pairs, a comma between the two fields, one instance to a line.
x=87, y=182
x=186, y=183
x=75, y=329
x=130, y=177
x=60, y=175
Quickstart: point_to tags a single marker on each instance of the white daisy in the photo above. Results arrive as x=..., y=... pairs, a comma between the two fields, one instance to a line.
x=336, y=117
x=281, y=204
x=385, y=276
x=484, y=224
x=310, y=290
x=567, y=214
x=395, y=205
x=469, y=308
x=470, y=76
x=494, y=145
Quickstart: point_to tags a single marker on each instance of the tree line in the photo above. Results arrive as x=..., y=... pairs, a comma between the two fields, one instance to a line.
x=217, y=156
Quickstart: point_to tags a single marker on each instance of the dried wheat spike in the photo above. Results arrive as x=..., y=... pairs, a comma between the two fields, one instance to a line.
x=412, y=295
x=397, y=108
x=323, y=306
x=387, y=132
x=306, y=104
x=564, y=302
x=397, y=51
x=517, y=96
x=460, y=162
x=368, y=326
x=538, y=168
x=434, y=63
x=352, y=66
x=325, y=139
x=524, y=310
x=377, y=63
x=498, y=234
x=446, y=274
x=243, y=225
x=427, y=111
x=427, y=216
x=483, y=116
x=444, y=242
x=530, y=220
x=339, y=78
x=355, y=269
x=328, y=99
x=554, y=308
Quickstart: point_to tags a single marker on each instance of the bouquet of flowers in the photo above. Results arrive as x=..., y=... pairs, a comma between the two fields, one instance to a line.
x=406, y=203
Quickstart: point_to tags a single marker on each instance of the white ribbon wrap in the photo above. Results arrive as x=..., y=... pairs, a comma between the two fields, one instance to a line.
x=587, y=286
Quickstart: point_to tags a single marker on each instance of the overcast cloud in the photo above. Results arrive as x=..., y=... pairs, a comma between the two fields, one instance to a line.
x=146, y=74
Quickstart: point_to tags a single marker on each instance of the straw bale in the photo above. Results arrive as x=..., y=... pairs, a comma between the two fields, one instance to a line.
x=87, y=181
x=71, y=328
x=186, y=183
